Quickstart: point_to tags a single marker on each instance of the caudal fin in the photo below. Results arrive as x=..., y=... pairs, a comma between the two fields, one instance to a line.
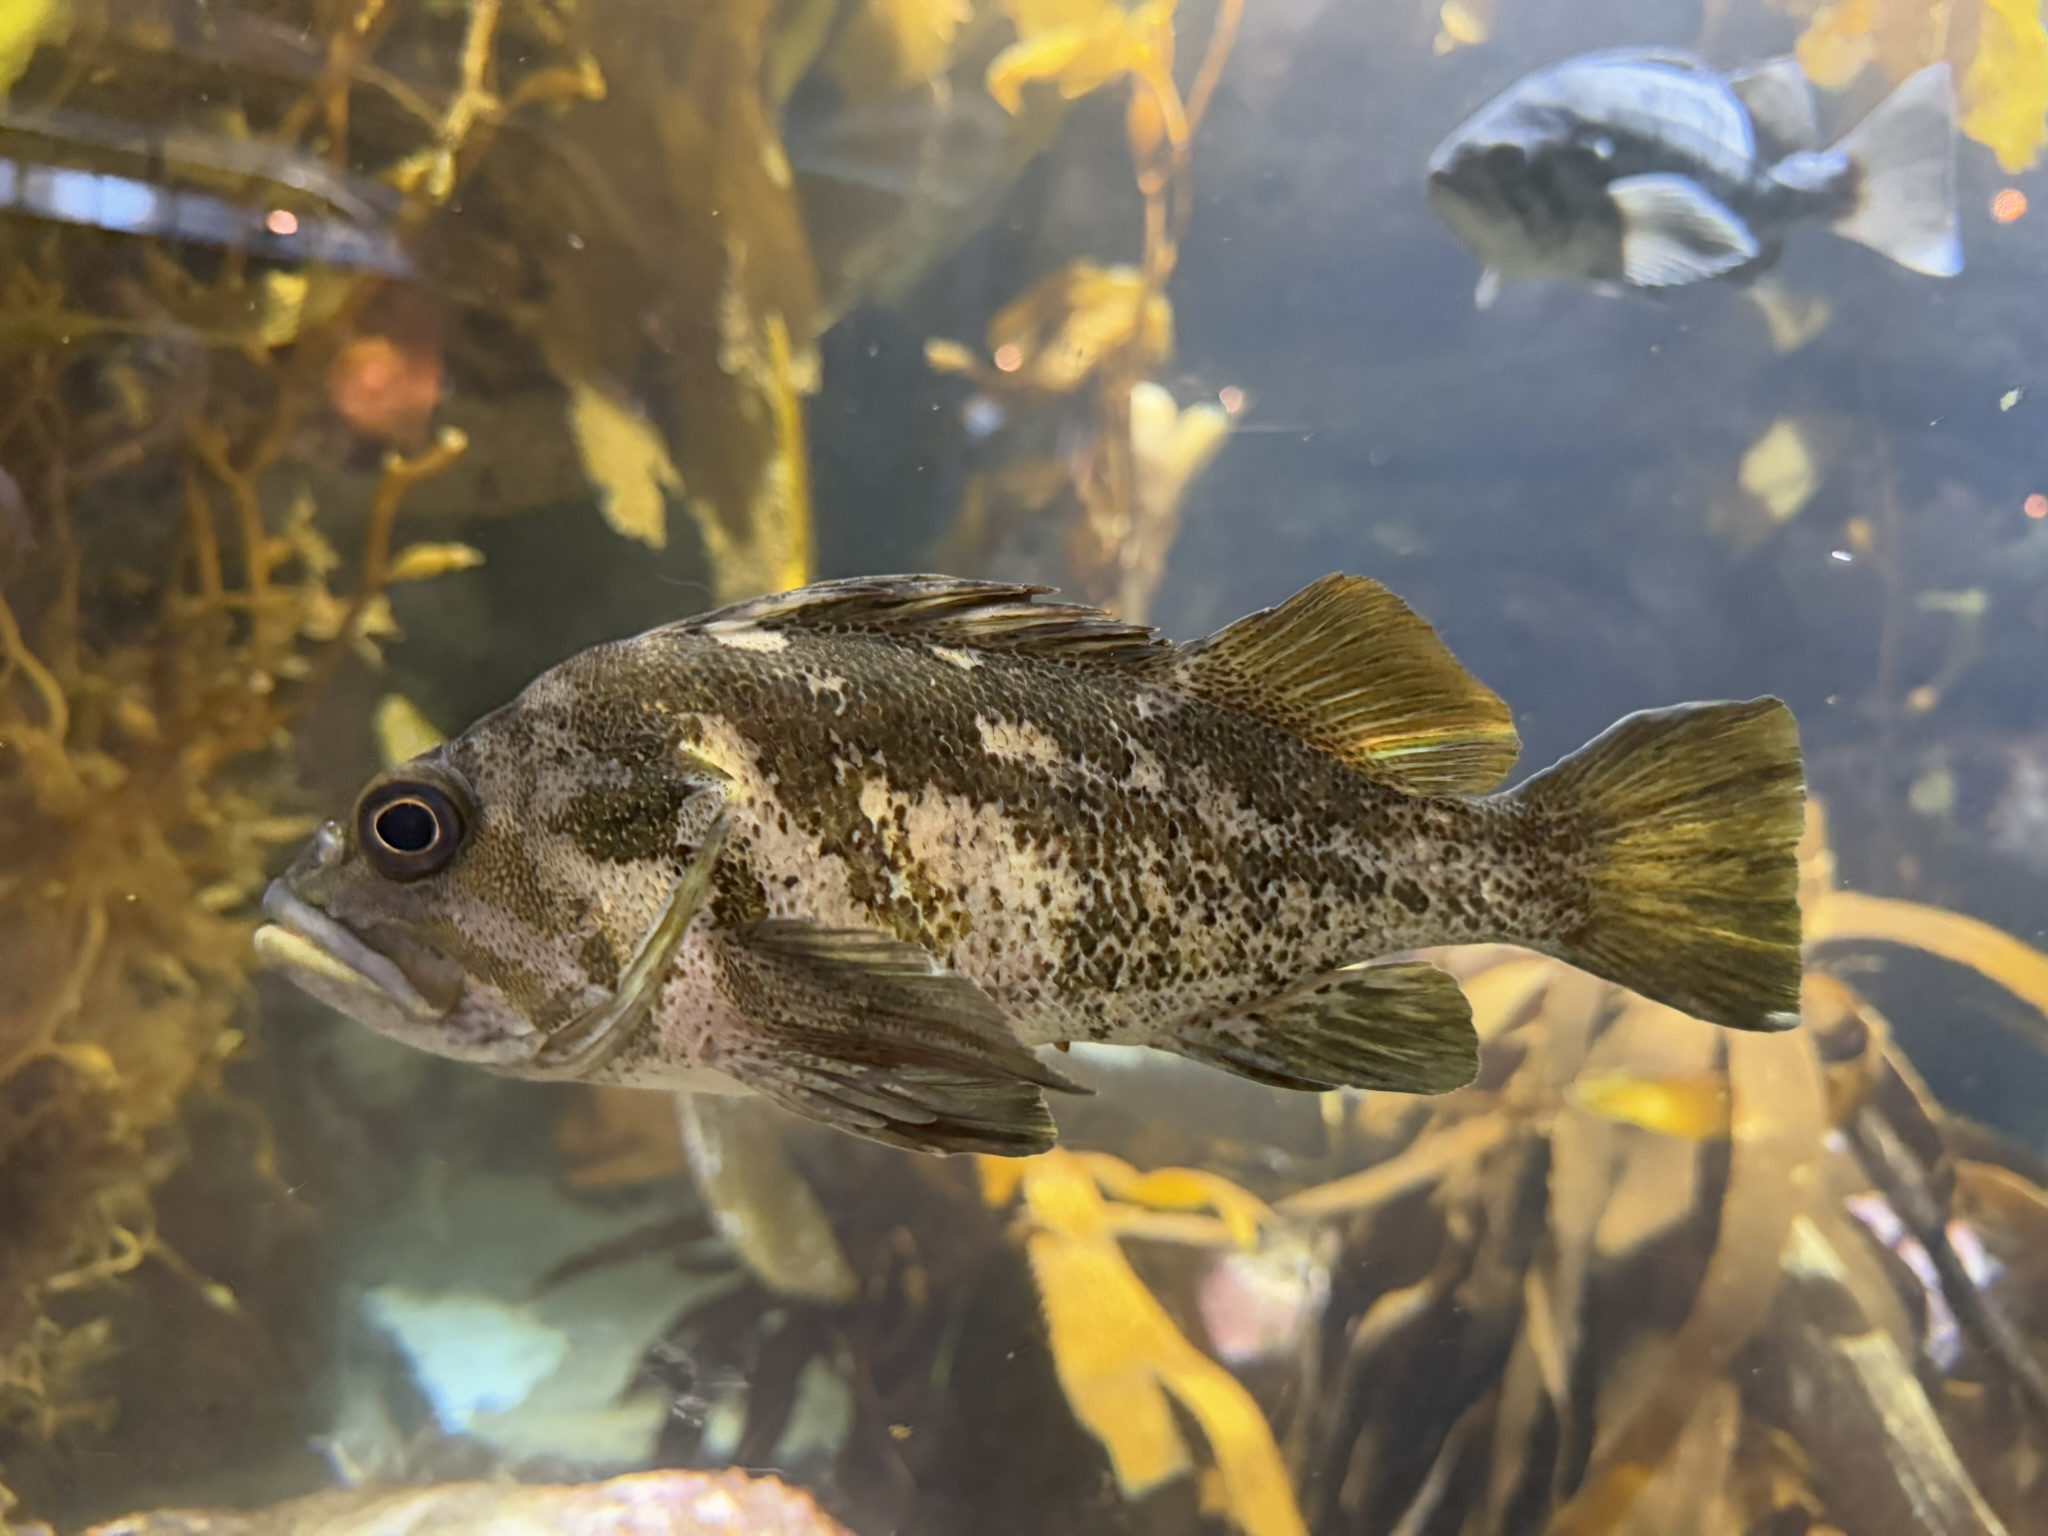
x=1904, y=154
x=1683, y=825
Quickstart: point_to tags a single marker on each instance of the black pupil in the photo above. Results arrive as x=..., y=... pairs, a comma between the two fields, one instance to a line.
x=406, y=826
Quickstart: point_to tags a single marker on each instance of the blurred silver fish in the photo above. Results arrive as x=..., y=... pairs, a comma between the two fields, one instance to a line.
x=1647, y=168
x=311, y=213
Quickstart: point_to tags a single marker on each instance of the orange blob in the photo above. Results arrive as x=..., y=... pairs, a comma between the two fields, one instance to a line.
x=2008, y=205
x=281, y=221
x=1009, y=357
x=386, y=381
x=385, y=391
x=2037, y=506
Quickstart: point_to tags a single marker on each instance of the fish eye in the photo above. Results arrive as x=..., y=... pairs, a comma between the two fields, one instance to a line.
x=408, y=828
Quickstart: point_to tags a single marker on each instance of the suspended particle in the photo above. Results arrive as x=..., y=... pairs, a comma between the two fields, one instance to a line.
x=2037, y=506
x=2009, y=205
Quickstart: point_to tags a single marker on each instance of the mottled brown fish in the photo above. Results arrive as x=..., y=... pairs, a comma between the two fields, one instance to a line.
x=861, y=847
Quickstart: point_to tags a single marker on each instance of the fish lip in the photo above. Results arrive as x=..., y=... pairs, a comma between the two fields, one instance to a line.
x=460, y=1030
x=339, y=943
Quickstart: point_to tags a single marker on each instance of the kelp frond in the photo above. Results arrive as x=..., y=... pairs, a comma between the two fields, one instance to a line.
x=1998, y=48
x=1105, y=329
x=1118, y=1353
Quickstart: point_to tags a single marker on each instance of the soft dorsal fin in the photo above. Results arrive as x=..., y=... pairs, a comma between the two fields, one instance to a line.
x=1348, y=667
x=950, y=610
x=1779, y=99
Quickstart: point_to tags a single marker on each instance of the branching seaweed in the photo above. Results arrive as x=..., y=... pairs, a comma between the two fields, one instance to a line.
x=1109, y=329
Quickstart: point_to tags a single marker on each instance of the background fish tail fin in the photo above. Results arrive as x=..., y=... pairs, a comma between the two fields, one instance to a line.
x=1904, y=154
x=1684, y=824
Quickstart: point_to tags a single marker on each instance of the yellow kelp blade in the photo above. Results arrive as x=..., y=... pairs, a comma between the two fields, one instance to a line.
x=1049, y=56
x=24, y=26
x=423, y=562
x=777, y=551
x=763, y=1206
x=2005, y=94
x=1080, y=57
x=1170, y=447
x=626, y=460
x=1463, y=24
x=2003, y=79
x=1256, y=1494
x=1056, y=333
x=1107, y=1336
x=1695, y=1108
x=1779, y=470
x=1429, y=1159
x=1836, y=47
x=1779, y=1117
x=1118, y=1354
x=403, y=733
x=1501, y=994
x=1840, y=916
x=1181, y=1189
x=888, y=46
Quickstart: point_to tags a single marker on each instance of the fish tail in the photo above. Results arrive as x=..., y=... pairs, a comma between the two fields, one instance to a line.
x=1681, y=828
x=1903, y=157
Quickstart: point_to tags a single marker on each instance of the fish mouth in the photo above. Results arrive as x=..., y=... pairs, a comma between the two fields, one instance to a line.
x=334, y=964
x=311, y=946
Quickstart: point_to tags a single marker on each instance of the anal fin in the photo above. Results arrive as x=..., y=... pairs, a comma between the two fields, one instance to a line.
x=1404, y=1028
x=865, y=1033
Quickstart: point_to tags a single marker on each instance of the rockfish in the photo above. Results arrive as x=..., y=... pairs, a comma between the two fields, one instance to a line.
x=862, y=847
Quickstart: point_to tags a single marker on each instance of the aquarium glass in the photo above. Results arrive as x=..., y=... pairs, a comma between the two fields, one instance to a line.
x=363, y=360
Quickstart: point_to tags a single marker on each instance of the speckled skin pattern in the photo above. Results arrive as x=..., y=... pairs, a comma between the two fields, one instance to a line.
x=1104, y=856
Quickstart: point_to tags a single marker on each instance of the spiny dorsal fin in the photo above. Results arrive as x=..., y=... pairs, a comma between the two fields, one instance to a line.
x=950, y=610
x=1348, y=667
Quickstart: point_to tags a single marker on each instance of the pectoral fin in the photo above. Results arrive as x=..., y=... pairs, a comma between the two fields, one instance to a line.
x=1674, y=231
x=867, y=1034
x=1405, y=1028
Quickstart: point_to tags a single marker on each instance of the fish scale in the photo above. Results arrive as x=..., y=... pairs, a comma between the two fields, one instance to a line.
x=1104, y=855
